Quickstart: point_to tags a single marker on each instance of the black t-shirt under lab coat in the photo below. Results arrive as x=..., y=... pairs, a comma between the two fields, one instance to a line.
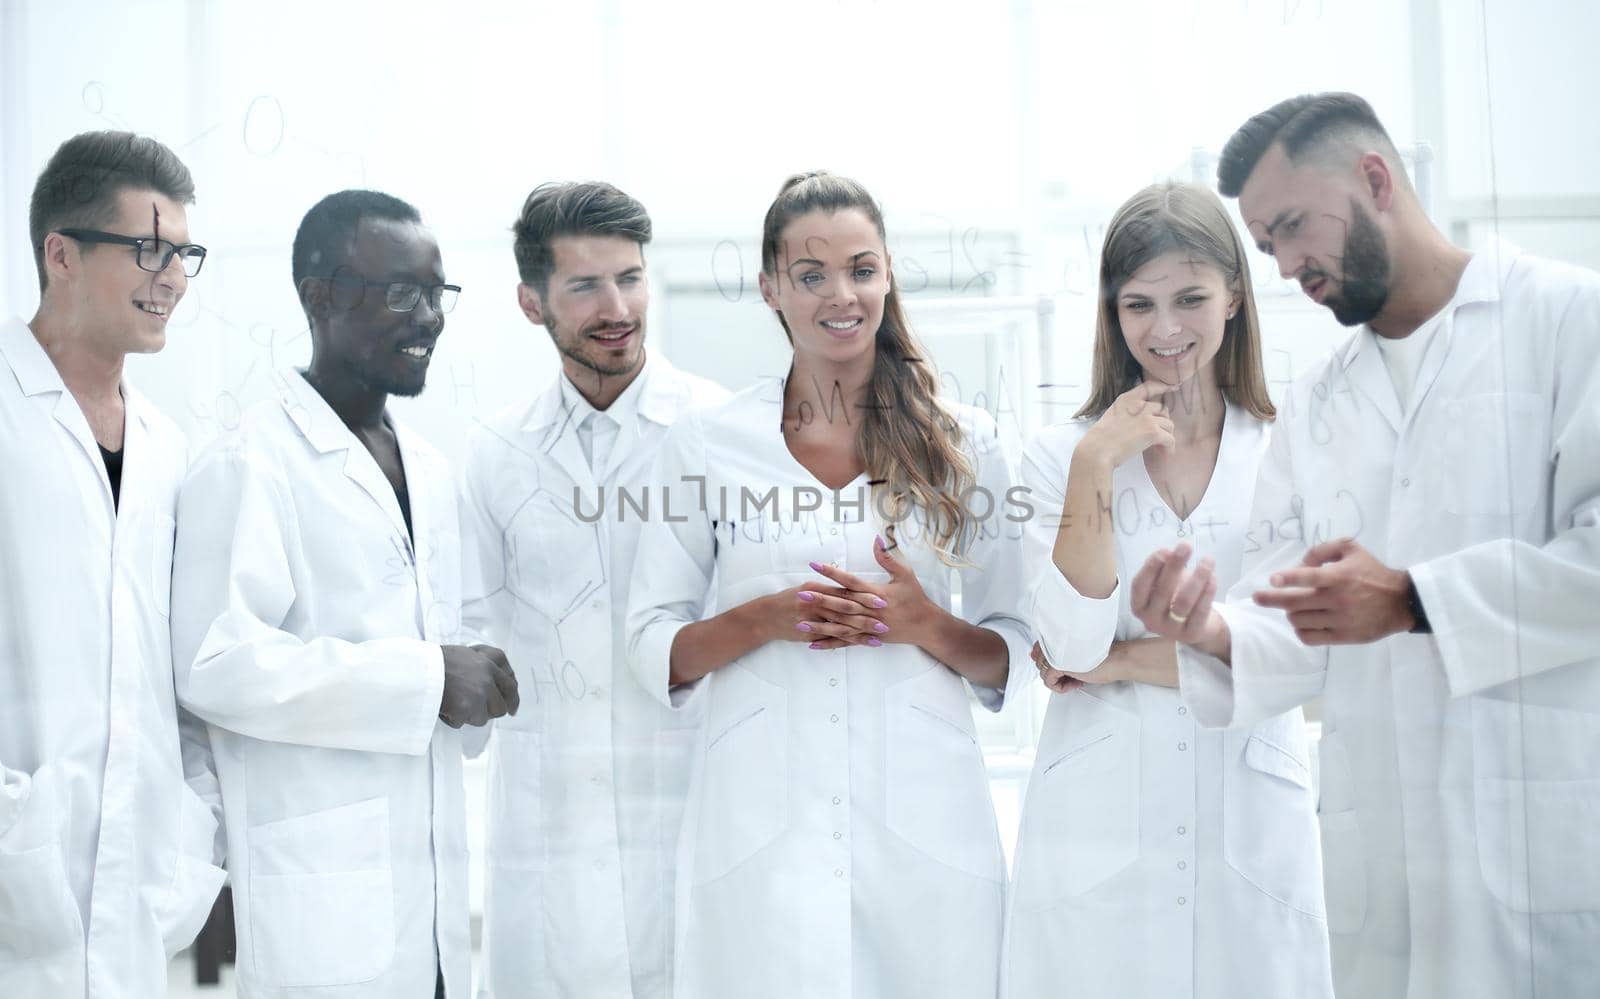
x=113, y=460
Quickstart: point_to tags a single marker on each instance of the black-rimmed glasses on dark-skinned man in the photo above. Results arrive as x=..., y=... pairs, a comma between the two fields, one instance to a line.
x=349, y=289
x=152, y=254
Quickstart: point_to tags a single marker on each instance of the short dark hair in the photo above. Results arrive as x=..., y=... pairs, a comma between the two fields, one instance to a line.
x=579, y=208
x=1300, y=124
x=323, y=241
x=80, y=184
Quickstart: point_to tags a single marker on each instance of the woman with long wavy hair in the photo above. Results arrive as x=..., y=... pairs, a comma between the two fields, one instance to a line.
x=840, y=838
x=1157, y=859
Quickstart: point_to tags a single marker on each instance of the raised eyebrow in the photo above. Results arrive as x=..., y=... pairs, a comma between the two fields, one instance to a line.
x=805, y=262
x=864, y=253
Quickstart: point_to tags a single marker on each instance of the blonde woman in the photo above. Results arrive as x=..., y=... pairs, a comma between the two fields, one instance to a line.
x=1157, y=859
x=840, y=838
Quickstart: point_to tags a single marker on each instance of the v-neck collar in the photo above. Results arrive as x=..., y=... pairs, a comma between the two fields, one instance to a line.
x=783, y=443
x=1228, y=422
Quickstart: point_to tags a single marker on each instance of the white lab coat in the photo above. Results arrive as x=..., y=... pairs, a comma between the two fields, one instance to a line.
x=306, y=631
x=106, y=854
x=1460, y=773
x=840, y=838
x=1156, y=858
x=587, y=780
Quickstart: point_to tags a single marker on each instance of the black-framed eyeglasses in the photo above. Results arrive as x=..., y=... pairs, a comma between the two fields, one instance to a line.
x=398, y=296
x=152, y=254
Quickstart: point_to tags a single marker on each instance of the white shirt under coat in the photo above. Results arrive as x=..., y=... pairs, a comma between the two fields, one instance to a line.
x=587, y=780
x=307, y=626
x=1460, y=771
x=106, y=854
x=1155, y=858
x=840, y=838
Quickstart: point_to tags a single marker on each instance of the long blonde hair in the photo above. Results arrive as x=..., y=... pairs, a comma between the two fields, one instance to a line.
x=1161, y=218
x=907, y=438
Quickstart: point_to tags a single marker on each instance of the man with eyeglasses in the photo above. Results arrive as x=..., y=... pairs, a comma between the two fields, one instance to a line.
x=107, y=859
x=316, y=600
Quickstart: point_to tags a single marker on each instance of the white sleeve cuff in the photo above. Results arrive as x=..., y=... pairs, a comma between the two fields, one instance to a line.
x=1075, y=631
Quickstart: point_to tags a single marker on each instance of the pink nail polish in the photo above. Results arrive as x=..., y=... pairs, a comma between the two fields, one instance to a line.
x=814, y=645
x=807, y=596
x=816, y=567
x=803, y=626
x=880, y=627
x=879, y=602
x=875, y=643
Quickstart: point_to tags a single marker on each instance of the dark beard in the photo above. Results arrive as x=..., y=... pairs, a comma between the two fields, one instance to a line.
x=1364, y=286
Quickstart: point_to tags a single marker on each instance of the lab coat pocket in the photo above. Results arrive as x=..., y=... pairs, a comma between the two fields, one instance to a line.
x=1505, y=437
x=1536, y=803
x=1080, y=824
x=321, y=893
x=1343, y=847
x=936, y=789
x=162, y=532
x=516, y=801
x=38, y=914
x=743, y=788
x=195, y=880
x=1269, y=831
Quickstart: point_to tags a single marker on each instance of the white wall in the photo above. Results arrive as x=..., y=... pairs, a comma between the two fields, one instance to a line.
x=998, y=137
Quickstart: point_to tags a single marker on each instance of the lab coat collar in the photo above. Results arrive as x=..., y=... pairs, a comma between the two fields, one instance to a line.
x=1480, y=283
x=32, y=366
x=323, y=430
x=37, y=375
x=658, y=399
x=1363, y=362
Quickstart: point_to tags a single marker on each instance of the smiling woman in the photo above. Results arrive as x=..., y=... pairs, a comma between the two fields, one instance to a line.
x=1209, y=836
x=840, y=817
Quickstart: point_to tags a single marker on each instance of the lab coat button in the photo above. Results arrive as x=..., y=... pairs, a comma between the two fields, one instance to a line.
x=838, y=872
x=833, y=718
x=1182, y=865
x=1182, y=746
x=838, y=835
x=833, y=681
x=598, y=692
x=1182, y=900
x=836, y=799
x=1181, y=830
x=1405, y=483
x=1182, y=710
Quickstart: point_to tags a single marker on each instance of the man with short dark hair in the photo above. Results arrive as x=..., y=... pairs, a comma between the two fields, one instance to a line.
x=1427, y=559
x=316, y=600
x=590, y=780
x=107, y=863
